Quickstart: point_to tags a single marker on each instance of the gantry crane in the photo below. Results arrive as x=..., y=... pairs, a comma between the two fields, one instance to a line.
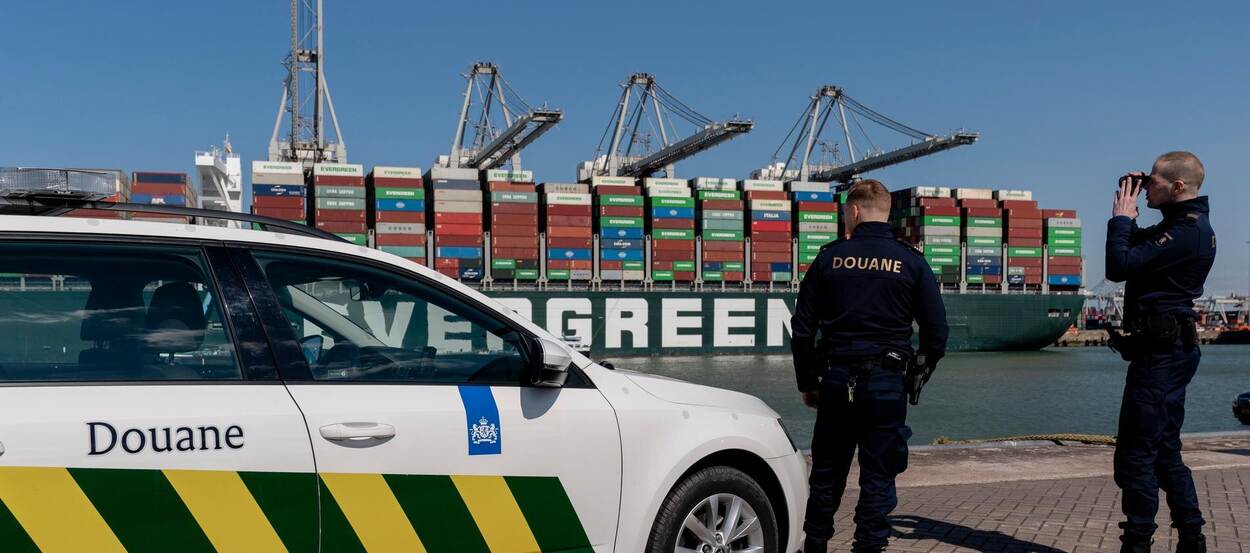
x=828, y=100
x=305, y=140
x=629, y=151
x=492, y=146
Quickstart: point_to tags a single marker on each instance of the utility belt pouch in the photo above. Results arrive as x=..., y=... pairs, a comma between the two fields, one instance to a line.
x=1189, y=334
x=895, y=361
x=1160, y=329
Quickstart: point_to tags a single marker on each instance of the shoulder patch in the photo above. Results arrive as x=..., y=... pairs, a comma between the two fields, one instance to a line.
x=1163, y=239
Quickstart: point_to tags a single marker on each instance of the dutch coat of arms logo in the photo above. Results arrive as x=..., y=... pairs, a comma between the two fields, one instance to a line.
x=484, y=432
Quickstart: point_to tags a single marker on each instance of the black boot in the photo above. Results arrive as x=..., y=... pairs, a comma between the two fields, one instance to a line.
x=815, y=546
x=1135, y=545
x=1191, y=543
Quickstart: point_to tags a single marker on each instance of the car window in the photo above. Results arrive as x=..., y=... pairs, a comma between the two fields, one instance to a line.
x=109, y=312
x=357, y=322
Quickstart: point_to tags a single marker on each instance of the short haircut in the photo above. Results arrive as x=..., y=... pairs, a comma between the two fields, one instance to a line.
x=869, y=195
x=1182, y=166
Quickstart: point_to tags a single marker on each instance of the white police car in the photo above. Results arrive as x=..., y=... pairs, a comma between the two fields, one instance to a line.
x=168, y=387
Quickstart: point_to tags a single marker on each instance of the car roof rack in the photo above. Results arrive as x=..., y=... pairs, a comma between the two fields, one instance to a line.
x=53, y=204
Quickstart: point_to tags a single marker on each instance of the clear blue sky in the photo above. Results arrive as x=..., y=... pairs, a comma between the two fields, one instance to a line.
x=1067, y=95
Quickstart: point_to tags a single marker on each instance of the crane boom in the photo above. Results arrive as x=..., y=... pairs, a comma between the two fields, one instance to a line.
x=491, y=147
x=703, y=140
x=512, y=140
x=930, y=146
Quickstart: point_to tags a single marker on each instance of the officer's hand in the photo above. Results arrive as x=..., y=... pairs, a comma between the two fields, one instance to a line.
x=1126, y=197
x=811, y=399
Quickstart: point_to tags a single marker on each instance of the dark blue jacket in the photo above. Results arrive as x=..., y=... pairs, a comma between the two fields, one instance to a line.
x=1163, y=266
x=859, y=297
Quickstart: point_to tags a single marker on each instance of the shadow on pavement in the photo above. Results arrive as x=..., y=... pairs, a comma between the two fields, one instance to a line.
x=911, y=527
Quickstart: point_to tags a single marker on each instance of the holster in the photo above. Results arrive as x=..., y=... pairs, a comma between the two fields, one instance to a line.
x=1156, y=333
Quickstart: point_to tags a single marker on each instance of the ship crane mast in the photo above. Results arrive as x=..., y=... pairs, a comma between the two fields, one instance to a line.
x=830, y=101
x=644, y=99
x=305, y=140
x=491, y=147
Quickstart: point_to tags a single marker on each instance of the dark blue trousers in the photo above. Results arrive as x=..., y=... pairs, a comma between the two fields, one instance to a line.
x=875, y=424
x=1148, y=448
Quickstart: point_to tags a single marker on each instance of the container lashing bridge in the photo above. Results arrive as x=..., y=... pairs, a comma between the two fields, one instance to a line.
x=629, y=150
x=830, y=101
x=493, y=145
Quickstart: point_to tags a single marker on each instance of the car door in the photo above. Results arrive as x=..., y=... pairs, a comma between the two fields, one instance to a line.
x=140, y=412
x=424, y=437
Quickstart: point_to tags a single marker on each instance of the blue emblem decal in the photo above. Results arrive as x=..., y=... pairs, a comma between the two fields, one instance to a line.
x=482, y=420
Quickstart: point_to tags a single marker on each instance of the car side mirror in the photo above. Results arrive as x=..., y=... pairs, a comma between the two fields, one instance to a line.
x=553, y=365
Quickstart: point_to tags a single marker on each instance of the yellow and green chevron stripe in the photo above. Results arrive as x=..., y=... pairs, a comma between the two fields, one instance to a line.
x=58, y=510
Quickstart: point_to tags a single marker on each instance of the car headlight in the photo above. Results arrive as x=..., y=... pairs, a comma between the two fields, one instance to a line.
x=786, y=431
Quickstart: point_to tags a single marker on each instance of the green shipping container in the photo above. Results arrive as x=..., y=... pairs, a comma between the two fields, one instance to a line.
x=621, y=222
x=633, y=265
x=683, y=265
x=810, y=247
x=719, y=195
x=807, y=257
x=527, y=274
x=818, y=217
x=620, y=199
x=661, y=275
x=732, y=266
x=672, y=202
x=819, y=237
x=514, y=197
x=558, y=274
x=503, y=263
x=1066, y=232
x=357, y=239
x=976, y=279
x=1015, y=251
x=941, y=221
x=940, y=260
x=400, y=193
x=672, y=234
x=941, y=250
x=405, y=251
x=1069, y=242
x=1068, y=251
x=721, y=224
x=713, y=276
x=724, y=236
x=994, y=241
x=984, y=222
x=782, y=277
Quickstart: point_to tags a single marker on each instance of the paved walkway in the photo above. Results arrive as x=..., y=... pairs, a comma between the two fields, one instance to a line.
x=1046, y=498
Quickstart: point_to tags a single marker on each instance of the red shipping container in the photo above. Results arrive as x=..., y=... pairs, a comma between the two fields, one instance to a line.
x=1024, y=262
x=458, y=218
x=617, y=190
x=687, y=224
x=514, y=219
x=339, y=215
x=611, y=265
x=723, y=246
x=935, y=202
x=514, y=241
x=399, y=239
x=568, y=221
x=942, y=211
x=724, y=205
x=392, y=182
x=1017, y=222
x=1064, y=260
x=514, y=253
x=766, y=195
x=620, y=211
x=825, y=207
x=983, y=211
x=447, y=262
x=1013, y=232
x=160, y=189
x=510, y=208
x=1025, y=242
x=1033, y=279
x=977, y=203
x=761, y=266
x=569, y=232
x=288, y=202
x=763, y=246
x=571, y=243
x=723, y=256
x=450, y=272
x=338, y=180
x=761, y=276
x=399, y=216
x=463, y=230
x=993, y=279
x=280, y=213
x=661, y=265
x=355, y=227
x=1019, y=204
x=509, y=187
x=568, y=264
x=513, y=230
x=733, y=276
x=772, y=257
x=760, y=236
x=770, y=226
x=458, y=240
x=1022, y=213
x=672, y=245
x=669, y=255
x=683, y=275
x=1060, y=213
x=803, y=267
x=569, y=210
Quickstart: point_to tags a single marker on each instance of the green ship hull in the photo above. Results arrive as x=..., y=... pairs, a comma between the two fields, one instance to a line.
x=636, y=323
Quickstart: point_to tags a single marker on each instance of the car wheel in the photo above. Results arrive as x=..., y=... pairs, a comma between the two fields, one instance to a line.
x=715, y=510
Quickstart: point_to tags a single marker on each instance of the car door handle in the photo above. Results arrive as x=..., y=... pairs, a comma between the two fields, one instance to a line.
x=357, y=431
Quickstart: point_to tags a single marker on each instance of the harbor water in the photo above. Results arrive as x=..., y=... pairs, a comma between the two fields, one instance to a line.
x=986, y=395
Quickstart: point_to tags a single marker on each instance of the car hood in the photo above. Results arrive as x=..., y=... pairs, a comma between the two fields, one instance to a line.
x=685, y=393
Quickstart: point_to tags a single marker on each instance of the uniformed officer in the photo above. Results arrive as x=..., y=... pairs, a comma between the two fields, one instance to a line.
x=856, y=305
x=1164, y=268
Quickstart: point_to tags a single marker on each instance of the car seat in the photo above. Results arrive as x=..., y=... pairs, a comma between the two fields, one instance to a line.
x=111, y=319
x=175, y=323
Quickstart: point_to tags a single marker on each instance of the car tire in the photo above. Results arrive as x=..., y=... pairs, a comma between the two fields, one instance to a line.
x=727, y=491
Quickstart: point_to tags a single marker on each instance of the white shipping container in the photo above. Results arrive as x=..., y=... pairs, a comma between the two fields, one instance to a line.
x=452, y=173
x=712, y=182
x=568, y=199
x=934, y=230
x=277, y=168
x=724, y=187
x=818, y=227
x=581, y=274
x=400, y=228
x=763, y=185
x=445, y=206
x=974, y=194
x=800, y=186
x=770, y=205
x=657, y=192
x=613, y=181
x=397, y=172
x=929, y=192
x=338, y=169
x=663, y=182
x=457, y=195
x=270, y=178
x=981, y=231
x=564, y=188
x=504, y=175
x=1064, y=222
x=1007, y=194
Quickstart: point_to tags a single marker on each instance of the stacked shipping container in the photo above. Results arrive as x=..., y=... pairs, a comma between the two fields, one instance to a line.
x=513, y=224
x=928, y=218
x=1023, y=234
x=982, y=233
x=566, y=209
x=1063, y=245
x=155, y=188
x=769, y=222
x=619, y=209
x=815, y=219
x=339, y=201
x=278, y=190
x=459, y=246
x=396, y=202
x=720, y=222
x=671, y=221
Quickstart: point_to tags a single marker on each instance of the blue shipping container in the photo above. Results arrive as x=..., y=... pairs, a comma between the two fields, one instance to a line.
x=712, y=265
x=278, y=190
x=813, y=196
x=1015, y=279
x=458, y=252
x=1065, y=280
x=614, y=232
x=985, y=261
x=620, y=255
x=471, y=273
x=770, y=215
x=781, y=267
x=576, y=254
x=400, y=205
x=673, y=212
x=623, y=244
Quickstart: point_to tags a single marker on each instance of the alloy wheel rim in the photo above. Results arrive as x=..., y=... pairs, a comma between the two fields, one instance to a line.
x=721, y=523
